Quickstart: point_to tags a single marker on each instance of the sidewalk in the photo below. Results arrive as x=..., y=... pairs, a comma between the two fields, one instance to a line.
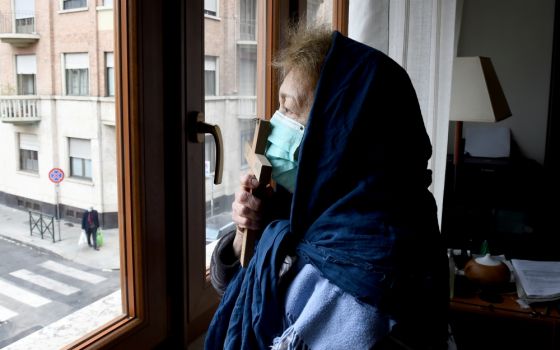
x=14, y=225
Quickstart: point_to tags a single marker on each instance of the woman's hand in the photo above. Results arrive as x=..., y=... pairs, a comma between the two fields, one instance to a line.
x=246, y=210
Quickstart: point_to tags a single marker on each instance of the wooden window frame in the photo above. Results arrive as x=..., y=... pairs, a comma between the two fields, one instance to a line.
x=164, y=302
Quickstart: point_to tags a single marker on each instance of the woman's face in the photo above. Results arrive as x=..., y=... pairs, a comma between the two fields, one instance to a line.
x=296, y=97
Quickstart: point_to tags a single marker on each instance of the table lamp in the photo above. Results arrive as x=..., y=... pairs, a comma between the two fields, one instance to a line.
x=476, y=96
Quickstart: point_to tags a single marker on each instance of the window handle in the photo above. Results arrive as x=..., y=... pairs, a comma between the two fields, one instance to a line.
x=197, y=128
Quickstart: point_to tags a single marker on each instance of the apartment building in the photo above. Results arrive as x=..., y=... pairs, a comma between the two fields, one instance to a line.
x=57, y=107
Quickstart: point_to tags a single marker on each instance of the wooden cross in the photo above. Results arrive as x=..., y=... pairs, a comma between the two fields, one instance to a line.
x=261, y=168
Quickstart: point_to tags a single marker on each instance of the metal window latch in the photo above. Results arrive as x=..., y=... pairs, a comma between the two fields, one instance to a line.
x=196, y=129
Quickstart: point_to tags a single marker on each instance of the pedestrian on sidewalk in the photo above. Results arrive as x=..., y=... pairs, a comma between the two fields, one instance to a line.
x=90, y=224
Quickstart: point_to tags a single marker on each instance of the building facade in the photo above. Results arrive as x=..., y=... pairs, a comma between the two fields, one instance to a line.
x=57, y=107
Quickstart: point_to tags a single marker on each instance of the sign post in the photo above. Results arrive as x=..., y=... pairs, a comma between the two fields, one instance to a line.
x=56, y=175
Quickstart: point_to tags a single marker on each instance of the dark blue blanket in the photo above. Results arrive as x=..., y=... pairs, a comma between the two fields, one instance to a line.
x=361, y=211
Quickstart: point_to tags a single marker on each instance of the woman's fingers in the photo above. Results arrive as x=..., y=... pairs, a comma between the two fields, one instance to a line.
x=249, y=182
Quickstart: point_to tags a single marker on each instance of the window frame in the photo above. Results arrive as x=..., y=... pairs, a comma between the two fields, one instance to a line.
x=22, y=151
x=73, y=8
x=166, y=299
x=20, y=84
x=109, y=76
x=209, y=12
x=216, y=74
x=65, y=75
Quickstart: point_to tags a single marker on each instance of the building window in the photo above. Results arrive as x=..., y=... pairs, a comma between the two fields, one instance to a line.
x=247, y=70
x=108, y=3
x=26, y=69
x=28, y=153
x=73, y=4
x=211, y=7
x=76, y=74
x=210, y=76
x=25, y=16
x=80, y=158
x=248, y=20
x=110, y=74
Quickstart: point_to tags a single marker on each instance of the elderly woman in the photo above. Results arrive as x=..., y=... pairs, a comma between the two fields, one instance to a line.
x=350, y=256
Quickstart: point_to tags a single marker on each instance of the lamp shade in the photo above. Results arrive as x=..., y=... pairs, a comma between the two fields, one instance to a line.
x=476, y=94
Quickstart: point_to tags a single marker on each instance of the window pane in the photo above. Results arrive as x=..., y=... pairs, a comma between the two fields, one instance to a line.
x=248, y=20
x=233, y=107
x=110, y=82
x=247, y=70
x=26, y=84
x=87, y=168
x=320, y=12
x=210, y=75
x=67, y=281
x=211, y=7
x=73, y=4
x=76, y=168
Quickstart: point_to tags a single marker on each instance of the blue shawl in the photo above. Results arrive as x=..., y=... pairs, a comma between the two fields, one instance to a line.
x=361, y=212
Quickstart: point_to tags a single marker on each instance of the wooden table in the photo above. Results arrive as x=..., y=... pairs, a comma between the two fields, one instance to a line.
x=479, y=324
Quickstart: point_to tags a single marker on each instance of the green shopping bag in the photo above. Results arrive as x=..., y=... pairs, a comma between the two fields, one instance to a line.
x=99, y=238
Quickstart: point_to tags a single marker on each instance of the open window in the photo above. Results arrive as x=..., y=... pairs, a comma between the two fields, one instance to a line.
x=163, y=187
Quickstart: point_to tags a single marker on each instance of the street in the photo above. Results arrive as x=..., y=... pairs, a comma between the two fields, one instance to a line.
x=38, y=287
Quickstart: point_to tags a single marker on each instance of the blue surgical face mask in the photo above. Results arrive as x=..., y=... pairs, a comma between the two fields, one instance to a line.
x=282, y=149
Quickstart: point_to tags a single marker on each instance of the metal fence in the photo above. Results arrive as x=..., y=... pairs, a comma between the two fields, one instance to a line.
x=43, y=225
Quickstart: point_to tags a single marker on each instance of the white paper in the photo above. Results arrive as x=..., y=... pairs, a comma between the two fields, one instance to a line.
x=540, y=280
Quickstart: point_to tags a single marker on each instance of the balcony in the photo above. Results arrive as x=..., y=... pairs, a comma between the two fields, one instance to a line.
x=18, y=29
x=19, y=109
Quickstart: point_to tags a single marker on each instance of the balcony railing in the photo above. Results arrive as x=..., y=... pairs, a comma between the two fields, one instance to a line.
x=19, y=109
x=18, y=28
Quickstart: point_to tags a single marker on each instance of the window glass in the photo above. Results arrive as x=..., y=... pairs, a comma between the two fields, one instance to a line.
x=28, y=152
x=110, y=74
x=248, y=20
x=247, y=133
x=210, y=76
x=26, y=69
x=319, y=11
x=25, y=16
x=108, y=3
x=50, y=300
x=211, y=7
x=76, y=74
x=247, y=69
x=73, y=4
x=80, y=157
x=232, y=106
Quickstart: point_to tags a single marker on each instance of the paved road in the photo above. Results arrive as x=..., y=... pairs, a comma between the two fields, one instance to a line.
x=38, y=287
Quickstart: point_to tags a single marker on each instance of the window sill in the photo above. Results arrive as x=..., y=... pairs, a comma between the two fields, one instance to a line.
x=215, y=18
x=80, y=9
x=28, y=173
x=104, y=8
x=76, y=98
x=81, y=181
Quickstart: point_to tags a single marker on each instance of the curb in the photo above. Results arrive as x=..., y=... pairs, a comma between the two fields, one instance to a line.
x=26, y=244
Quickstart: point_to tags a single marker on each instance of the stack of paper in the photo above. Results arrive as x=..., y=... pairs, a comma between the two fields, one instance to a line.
x=537, y=281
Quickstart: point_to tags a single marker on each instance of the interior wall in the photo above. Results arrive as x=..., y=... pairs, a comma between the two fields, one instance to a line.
x=517, y=35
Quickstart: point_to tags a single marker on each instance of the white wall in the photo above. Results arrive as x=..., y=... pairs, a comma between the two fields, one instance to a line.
x=517, y=36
